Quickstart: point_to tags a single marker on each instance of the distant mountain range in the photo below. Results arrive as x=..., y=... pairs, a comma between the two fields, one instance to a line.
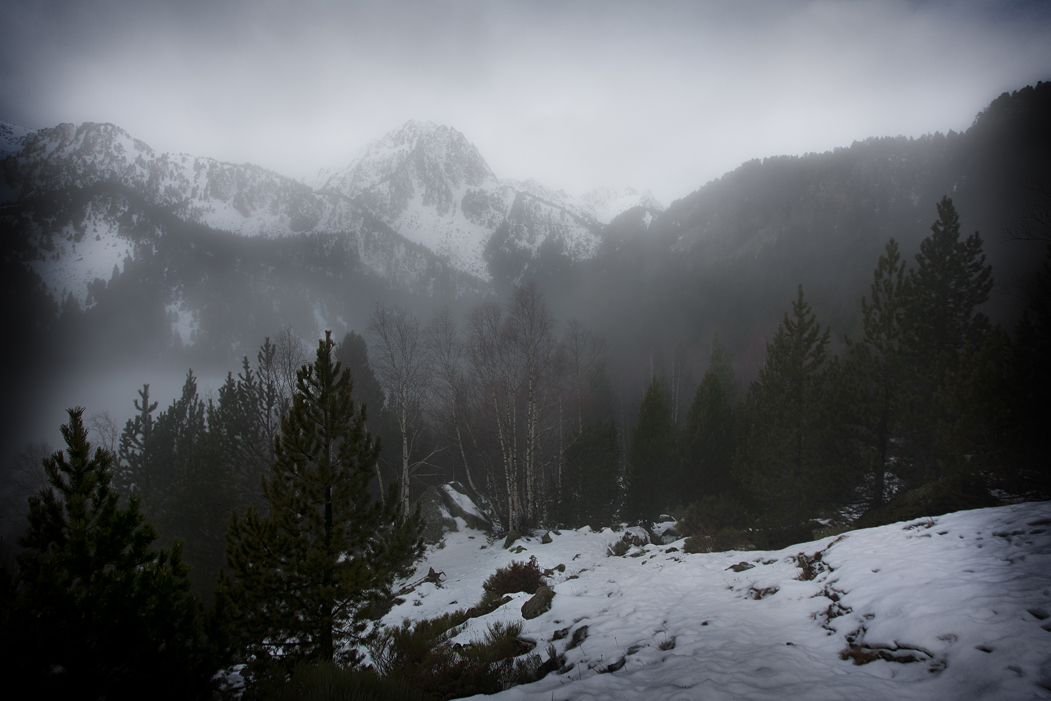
x=426, y=185
x=151, y=253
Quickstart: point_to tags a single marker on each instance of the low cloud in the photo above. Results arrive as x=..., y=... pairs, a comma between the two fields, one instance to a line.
x=663, y=95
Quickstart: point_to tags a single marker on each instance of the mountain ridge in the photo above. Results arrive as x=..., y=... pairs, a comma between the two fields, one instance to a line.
x=433, y=185
x=424, y=181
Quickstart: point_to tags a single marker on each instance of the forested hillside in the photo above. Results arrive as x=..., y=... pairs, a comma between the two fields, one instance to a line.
x=725, y=258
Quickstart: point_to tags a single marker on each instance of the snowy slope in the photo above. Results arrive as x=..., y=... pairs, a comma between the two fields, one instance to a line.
x=81, y=251
x=966, y=597
x=241, y=198
x=11, y=138
x=431, y=185
x=421, y=184
x=106, y=162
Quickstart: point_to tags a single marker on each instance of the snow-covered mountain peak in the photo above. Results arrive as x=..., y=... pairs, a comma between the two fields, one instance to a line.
x=91, y=145
x=605, y=203
x=426, y=182
x=435, y=157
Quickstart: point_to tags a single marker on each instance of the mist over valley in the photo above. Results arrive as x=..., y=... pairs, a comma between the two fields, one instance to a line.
x=424, y=351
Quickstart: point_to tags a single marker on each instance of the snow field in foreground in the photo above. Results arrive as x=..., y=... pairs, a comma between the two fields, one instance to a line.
x=955, y=607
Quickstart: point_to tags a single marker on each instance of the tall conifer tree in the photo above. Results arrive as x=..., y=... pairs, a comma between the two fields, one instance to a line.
x=589, y=479
x=782, y=459
x=302, y=578
x=651, y=456
x=950, y=282
x=136, y=444
x=708, y=437
x=100, y=614
x=876, y=367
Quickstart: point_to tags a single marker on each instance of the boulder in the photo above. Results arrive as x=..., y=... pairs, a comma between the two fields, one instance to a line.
x=669, y=535
x=436, y=519
x=460, y=504
x=539, y=603
x=636, y=535
x=440, y=507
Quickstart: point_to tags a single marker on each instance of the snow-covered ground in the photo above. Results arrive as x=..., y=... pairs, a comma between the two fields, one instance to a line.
x=70, y=265
x=966, y=597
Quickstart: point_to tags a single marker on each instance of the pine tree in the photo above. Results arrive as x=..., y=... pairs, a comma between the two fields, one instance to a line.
x=197, y=503
x=101, y=614
x=133, y=467
x=242, y=425
x=589, y=479
x=353, y=353
x=948, y=285
x=708, y=437
x=980, y=430
x=180, y=493
x=782, y=459
x=160, y=455
x=301, y=579
x=1031, y=389
x=651, y=456
x=876, y=367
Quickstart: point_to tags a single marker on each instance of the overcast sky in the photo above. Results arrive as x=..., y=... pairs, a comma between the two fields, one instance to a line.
x=660, y=95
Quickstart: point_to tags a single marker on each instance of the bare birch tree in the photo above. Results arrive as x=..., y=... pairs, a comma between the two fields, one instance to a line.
x=289, y=355
x=532, y=341
x=581, y=354
x=403, y=367
x=580, y=361
x=106, y=431
x=511, y=356
x=452, y=390
x=494, y=372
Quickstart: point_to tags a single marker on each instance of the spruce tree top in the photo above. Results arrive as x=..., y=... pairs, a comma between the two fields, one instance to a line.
x=798, y=351
x=76, y=528
x=950, y=282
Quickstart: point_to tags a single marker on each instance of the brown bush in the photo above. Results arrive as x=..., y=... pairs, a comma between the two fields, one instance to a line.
x=518, y=576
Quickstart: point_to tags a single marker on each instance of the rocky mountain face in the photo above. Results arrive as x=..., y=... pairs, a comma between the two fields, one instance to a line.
x=421, y=184
x=431, y=184
x=11, y=138
x=217, y=255
x=240, y=198
x=104, y=161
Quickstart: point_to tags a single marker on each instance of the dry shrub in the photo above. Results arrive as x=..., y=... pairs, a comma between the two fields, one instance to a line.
x=707, y=540
x=518, y=576
x=702, y=540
